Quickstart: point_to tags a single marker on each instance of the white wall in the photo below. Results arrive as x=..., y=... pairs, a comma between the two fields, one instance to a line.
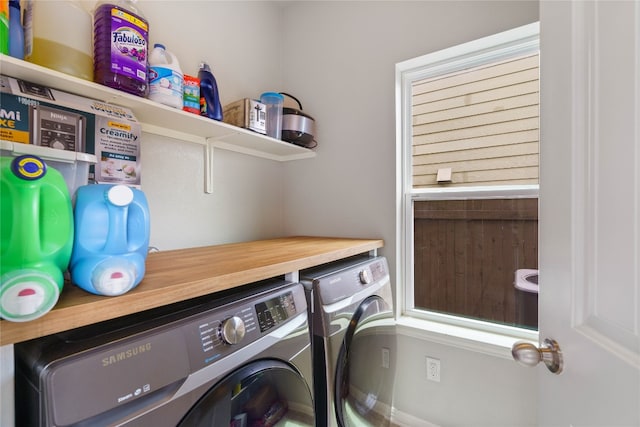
x=475, y=390
x=241, y=43
x=339, y=59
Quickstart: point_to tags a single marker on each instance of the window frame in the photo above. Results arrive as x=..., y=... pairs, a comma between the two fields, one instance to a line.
x=483, y=336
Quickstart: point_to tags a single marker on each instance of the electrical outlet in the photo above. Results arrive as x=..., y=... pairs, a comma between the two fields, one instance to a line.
x=385, y=358
x=433, y=369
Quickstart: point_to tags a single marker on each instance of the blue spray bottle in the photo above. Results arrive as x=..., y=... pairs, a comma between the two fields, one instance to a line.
x=209, y=96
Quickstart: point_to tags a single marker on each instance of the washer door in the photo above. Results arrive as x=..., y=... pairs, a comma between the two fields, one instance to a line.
x=364, y=382
x=264, y=393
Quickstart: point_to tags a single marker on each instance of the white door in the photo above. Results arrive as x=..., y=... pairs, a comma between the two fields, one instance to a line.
x=590, y=211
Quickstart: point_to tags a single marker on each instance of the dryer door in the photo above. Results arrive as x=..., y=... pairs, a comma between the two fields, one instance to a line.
x=263, y=393
x=364, y=382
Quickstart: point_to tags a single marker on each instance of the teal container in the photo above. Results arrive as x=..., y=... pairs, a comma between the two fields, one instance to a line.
x=111, y=238
x=36, y=237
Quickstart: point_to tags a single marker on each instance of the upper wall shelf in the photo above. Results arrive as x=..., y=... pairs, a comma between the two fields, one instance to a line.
x=160, y=119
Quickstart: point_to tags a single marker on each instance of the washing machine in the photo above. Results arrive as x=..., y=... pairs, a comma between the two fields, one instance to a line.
x=353, y=341
x=241, y=359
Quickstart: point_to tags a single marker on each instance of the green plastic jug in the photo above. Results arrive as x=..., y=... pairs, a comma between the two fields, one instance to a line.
x=36, y=237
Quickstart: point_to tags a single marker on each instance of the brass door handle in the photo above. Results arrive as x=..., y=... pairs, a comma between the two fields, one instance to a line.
x=528, y=354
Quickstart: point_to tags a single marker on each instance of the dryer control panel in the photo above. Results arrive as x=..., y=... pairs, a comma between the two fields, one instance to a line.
x=339, y=285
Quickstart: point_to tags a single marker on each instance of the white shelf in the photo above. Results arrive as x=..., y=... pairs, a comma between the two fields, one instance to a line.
x=160, y=119
x=46, y=153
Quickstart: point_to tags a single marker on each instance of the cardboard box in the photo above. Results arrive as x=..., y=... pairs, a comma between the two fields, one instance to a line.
x=38, y=115
x=246, y=113
x=191, y=96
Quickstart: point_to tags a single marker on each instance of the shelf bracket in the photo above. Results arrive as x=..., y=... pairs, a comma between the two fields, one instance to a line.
x=208, y=166
x=293, y=276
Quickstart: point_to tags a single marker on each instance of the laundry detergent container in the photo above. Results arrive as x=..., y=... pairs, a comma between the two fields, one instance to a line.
x=36, y=237
x=111, y=238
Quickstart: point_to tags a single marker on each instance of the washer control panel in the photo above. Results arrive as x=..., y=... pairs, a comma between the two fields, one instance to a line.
x=220, y=332
x=365, y=277
x=232, y=330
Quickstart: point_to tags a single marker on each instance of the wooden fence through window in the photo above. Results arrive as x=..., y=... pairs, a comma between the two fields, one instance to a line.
x=467, y=253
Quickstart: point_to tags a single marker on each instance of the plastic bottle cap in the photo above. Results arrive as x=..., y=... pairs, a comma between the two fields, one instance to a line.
x=114, y=277
x=27, y=294
x=159, y=45
x=120, y=195
x=272, y=94
x=28, y=167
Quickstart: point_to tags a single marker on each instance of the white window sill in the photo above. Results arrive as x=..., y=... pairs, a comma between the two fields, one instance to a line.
x=490, y=343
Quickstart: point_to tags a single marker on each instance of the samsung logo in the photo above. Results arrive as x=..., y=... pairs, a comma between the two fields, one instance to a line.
x=125, y=354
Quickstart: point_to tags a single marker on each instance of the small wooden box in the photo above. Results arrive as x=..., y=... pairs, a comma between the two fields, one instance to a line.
x=246, y=113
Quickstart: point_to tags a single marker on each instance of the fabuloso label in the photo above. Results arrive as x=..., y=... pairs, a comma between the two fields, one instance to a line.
x=128, y=45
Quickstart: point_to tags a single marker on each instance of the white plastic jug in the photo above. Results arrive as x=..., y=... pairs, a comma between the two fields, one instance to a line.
x=58, y=35
x=165, y=77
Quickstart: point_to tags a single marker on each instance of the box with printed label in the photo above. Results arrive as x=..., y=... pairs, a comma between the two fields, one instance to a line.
x=246, y=113
x=34, y=114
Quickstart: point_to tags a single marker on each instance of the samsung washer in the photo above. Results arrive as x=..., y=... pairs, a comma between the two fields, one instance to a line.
x=353, y=341
x=237, y=360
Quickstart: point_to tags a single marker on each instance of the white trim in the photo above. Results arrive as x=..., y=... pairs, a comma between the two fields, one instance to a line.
x=400, y=418
x=480, y=192
x=484, y=337
x=497, y=47
x=463, y=337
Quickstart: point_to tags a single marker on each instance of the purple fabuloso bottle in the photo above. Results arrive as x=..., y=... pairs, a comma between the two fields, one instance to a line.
x=120, y=47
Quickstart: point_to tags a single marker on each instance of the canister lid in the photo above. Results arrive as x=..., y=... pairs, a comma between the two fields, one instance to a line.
x=272, y=95
x=120, y=195
x=28, y=167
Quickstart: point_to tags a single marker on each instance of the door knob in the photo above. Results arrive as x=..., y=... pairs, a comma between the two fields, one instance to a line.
x=528, y=354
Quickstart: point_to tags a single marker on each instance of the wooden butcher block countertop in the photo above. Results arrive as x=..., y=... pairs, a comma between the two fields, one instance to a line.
x=182, y=274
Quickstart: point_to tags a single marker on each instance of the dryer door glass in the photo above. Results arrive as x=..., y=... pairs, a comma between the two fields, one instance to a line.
x=264, y=393
x=363, y=382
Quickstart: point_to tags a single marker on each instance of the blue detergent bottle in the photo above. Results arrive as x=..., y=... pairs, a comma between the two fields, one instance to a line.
x=36, y=237
x=209, y=96
x=16, y=31
x=111, y=238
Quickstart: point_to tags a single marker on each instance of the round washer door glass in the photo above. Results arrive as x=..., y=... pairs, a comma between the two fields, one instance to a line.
x=262, y=393
x=363, y=382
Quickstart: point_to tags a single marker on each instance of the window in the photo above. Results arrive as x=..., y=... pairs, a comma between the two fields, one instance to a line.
x=468, y=131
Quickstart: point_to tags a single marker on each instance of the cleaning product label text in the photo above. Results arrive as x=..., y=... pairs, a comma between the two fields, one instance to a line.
x=165, y=82
x=128, y=45
x=117, y=147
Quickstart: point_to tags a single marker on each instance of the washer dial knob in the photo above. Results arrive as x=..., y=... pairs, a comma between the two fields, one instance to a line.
x=365, y=277
x=232, y=330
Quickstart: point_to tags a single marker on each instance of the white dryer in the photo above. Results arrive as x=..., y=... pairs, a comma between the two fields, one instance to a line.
x=353, y=341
